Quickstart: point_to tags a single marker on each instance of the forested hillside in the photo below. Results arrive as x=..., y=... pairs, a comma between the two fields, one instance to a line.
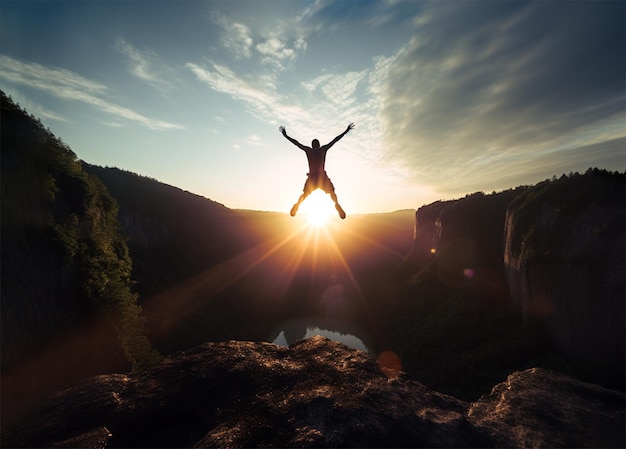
x=66, y=270
x=172, y=234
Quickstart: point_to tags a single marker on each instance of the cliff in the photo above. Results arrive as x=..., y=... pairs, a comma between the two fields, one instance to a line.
x=68, y=309
x=470, y=228
x=65, y=266
x=316, y=393
x=555, y=250
x=564, y=258
x=171, y=234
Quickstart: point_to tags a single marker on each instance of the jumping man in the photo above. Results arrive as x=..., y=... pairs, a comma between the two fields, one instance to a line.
x=317, y=177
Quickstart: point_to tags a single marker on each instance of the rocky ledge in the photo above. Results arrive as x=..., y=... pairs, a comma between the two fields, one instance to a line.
x=316, y=393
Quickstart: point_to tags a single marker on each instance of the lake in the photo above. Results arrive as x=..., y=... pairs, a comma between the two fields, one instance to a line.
x=296, y=332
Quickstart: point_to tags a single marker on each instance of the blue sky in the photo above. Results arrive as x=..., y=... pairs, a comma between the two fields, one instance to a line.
x=448, y=97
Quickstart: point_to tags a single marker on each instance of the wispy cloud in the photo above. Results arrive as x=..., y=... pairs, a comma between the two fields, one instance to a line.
x=483, y=86
x=67, y=85
x=254, y=139
x=146, y=65
x=261, y=97
x=318, y=106
x=222, y=79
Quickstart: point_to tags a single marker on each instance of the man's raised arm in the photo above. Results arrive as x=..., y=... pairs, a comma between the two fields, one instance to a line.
x=294, y=141
x=336, y=139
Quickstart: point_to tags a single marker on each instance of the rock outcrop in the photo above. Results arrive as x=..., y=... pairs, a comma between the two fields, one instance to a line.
x=316, y=393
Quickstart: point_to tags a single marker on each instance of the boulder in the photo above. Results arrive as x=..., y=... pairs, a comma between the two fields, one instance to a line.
x=315, y=393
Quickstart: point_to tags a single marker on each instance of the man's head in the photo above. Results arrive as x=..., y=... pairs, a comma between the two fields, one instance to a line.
x=315, y=143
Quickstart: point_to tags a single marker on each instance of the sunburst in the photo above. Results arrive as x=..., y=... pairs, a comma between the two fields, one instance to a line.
x=317, y=209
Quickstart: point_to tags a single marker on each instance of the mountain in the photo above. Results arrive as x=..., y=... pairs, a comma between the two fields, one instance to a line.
x=316, y=393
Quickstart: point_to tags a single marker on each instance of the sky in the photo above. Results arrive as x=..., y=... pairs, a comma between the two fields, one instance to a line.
x=448, y=97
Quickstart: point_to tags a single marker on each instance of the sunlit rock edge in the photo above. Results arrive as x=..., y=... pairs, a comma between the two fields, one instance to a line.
x=315, y=393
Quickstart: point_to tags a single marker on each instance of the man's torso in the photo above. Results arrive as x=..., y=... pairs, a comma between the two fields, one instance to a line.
x=317, y=160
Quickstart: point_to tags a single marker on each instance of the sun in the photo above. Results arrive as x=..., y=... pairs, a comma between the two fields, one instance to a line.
x=317, y=208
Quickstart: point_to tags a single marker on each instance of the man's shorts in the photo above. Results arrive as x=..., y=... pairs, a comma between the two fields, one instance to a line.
x=321, y=181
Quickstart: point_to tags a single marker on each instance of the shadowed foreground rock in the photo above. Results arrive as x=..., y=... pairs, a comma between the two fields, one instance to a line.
x=316, y=393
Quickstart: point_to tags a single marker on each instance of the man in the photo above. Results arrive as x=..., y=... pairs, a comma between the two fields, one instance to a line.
x=317, y=177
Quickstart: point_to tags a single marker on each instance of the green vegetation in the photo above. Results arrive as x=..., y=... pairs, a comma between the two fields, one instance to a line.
x=64, y=261
x=171, y=234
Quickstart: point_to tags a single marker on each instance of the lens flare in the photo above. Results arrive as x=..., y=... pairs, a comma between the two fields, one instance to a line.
x=390, y=364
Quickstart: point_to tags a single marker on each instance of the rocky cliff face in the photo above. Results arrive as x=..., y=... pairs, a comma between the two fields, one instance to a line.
x=64, y=263
x=468, y=230
x=426, y=236
x=558, y=247
x=564, y=257
x=316, y=393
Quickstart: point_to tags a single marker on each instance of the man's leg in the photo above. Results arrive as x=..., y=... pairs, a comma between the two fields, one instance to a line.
x=330, y=189
x=295, y=207
x=342, y=214
x=306, y=191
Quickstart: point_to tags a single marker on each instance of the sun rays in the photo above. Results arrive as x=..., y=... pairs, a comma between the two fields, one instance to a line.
x=296, y=259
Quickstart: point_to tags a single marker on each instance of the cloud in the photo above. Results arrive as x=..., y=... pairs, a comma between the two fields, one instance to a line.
x=236, y=37
x=259, y=96
x=221, y=79
x=276, y=53
x=511, y=171
x=312, y=85
x=238, y=40
x=254, y=139
x=318, y=106
x=64, y=82
x=146, y=65
x=67, y=85
x=278, y=45
x=341, y=89
x=482, y=85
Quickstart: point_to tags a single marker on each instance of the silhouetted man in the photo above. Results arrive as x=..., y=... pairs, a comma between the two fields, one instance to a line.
x=317, y=177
